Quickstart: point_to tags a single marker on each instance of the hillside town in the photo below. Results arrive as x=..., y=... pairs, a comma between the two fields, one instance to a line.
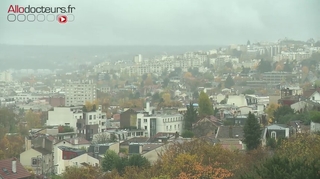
x=230, y=100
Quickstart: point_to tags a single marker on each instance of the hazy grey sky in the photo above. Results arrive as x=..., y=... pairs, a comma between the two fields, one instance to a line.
x=166, y=22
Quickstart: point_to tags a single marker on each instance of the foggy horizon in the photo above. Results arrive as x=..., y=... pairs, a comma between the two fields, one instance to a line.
x=166, y=23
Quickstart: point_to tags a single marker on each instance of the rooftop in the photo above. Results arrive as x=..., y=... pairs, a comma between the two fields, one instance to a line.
x=6, y=170
x=64, y=148
x=230, y=132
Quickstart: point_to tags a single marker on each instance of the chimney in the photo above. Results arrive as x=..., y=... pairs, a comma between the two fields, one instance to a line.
x=148, y=107
x=76, y=141
x=14, y=165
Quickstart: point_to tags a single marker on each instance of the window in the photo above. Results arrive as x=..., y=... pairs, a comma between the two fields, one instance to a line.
x=274, y=135
x=145, y=120
x=34, y=161
x=145, y=127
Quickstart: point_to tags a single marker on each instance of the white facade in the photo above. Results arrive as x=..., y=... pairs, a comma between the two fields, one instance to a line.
x=163, y=123
x=6, y=76
x=314, y=127
x=315, y=97
x=84, y=158
x=137, y=58
x=96, y=117
x=78, y=93
x=66, y=116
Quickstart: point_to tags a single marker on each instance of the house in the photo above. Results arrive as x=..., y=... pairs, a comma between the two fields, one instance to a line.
x=78, y=142
x=128, y=118
x=237, y=120
x=125, y=144
x=39, y=159
x=276, y=131
x=12, y=169
x=230, y=137
x=206, y=126
x=314, y=127
x=299, y=106
x=67, y=157
x=98, y=150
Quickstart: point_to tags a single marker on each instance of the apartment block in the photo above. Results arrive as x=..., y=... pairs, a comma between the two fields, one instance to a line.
x=78, y=93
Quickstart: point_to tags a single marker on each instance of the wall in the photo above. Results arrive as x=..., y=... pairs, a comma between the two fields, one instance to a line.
x=43, y=167
x=76, y=162
x=315, y=97
x=61, y=116
x=115, y=147
x=314, y=127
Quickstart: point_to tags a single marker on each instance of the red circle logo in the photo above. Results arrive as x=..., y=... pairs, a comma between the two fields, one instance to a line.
x=62, y=19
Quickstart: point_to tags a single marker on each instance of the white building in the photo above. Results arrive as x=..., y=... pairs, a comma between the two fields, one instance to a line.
x=96, y=117
x=160, y=123
x=6, y=76
x=137, y=58
x=68, y=116
x=78, y=93
x=67, y=157
x=65, y=116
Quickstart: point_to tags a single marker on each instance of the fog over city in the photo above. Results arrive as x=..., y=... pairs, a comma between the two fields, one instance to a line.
x=159, y=89
x=166, y=22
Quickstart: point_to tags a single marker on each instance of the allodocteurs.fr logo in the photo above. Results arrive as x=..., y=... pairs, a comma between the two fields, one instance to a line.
x=29, y=13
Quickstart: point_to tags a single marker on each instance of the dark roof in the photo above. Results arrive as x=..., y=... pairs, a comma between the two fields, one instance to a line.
x=6, y=167
x=230, y=132
x=135, y=140
x=81, y=141
x=43, y=151
x=308, y=93
x=78, y=151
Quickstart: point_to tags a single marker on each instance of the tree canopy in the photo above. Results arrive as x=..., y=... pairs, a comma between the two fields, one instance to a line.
x=205, y=105
x=229, y=82
x=252, y=132
x=264, y=66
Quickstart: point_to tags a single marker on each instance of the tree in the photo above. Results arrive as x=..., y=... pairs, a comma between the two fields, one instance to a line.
x=7, y=121
x=248, y=91
x=187, y=134
x=187, y=75
x=138, y=161
x=252, y=132
x=282, y=167
x=11, y=146
x=148, y=81
x=101, y=138
x=195, y=95
x=196, y=159
x=190, y=117
x=264, y=66
x=229, y=82
x=205, y=105
x=271, y=109
x=287, y=67
x=33, y=119
x=110, y=161
x=165, y=82
x=85, y=172
x=281, y=112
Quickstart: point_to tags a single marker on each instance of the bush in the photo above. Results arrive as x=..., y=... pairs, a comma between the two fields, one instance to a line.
x=187, y=134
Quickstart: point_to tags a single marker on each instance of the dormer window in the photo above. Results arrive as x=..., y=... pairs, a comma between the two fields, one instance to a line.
x=273, y=135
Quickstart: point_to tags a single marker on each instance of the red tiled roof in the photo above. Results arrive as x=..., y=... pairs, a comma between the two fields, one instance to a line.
x=21, y=173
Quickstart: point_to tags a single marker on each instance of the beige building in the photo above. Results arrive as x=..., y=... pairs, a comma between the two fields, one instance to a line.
x=39, y=159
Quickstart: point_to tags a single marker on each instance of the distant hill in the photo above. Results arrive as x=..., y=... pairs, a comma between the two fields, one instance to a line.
x=33, y=57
